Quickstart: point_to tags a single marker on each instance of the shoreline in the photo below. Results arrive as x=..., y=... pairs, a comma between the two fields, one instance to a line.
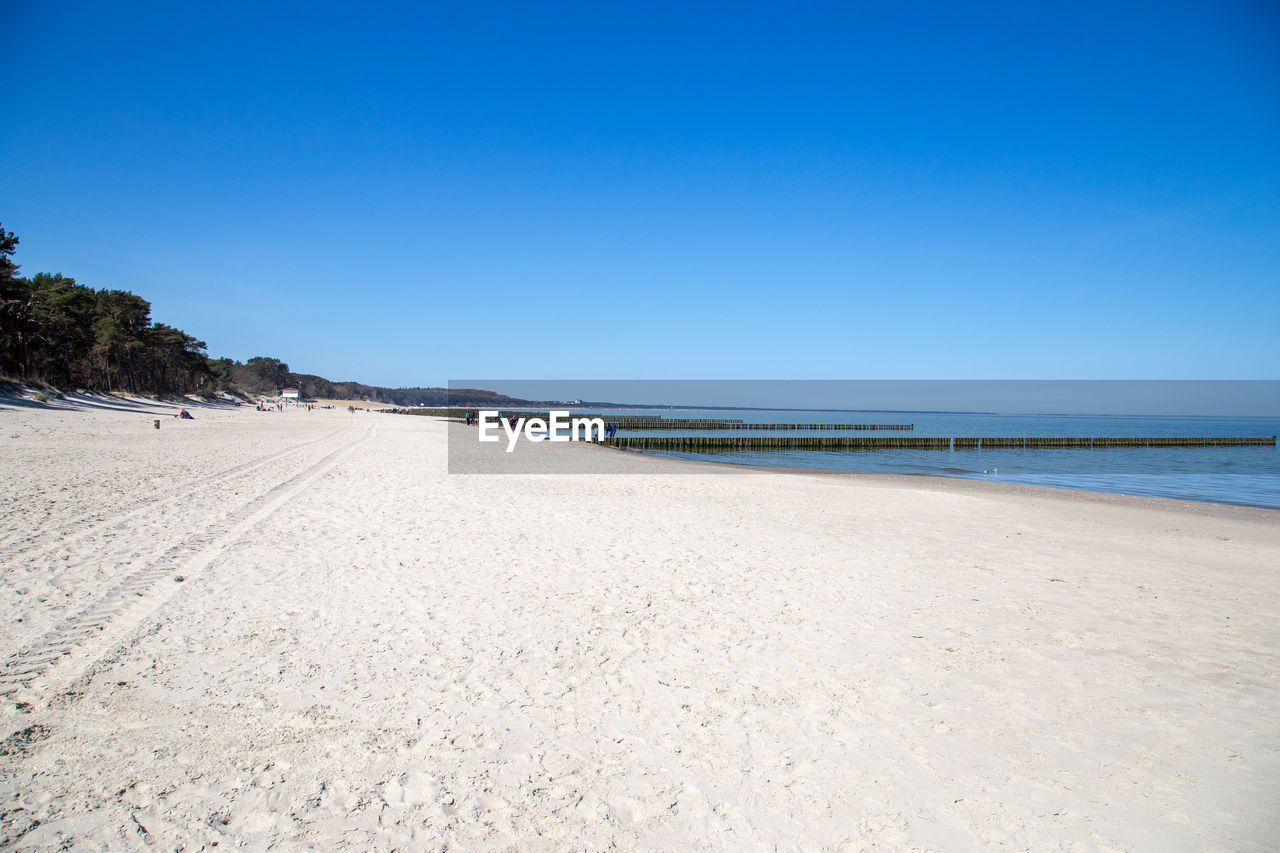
x=944, y=482
x=124, y=403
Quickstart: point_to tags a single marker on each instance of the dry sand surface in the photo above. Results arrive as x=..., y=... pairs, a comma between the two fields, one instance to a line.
x=297, y=631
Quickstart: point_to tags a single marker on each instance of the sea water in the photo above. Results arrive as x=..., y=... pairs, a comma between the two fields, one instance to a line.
x=1232, y=475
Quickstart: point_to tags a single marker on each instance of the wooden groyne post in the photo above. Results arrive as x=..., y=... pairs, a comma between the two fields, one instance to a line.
x=709, y=444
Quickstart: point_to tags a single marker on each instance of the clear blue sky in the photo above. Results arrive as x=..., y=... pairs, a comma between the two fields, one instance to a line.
x=786, y=190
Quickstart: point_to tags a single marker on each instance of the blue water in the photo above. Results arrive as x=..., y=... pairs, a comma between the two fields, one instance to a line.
x=1232, y=475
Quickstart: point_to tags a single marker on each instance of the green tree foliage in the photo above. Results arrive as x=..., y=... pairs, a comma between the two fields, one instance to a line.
x=265, y=375
x=64, y=312
x=8, y=245
x=15, y=308
x=57, y=331
x=54, y=330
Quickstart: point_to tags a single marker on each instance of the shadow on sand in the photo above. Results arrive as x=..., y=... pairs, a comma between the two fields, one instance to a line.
x=25, y=398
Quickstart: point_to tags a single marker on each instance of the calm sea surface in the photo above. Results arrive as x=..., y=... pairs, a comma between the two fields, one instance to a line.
x=1234, y=475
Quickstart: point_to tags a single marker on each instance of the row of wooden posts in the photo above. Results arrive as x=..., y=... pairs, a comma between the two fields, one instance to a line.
x=714, y=443
x=631, y=420
x=618, y=420
x=650, y=422
x=703, y=425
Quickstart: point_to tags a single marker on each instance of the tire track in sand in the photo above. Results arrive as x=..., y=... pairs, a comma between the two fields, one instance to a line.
x=132, y=599
x=110, y=549
x=93, y=525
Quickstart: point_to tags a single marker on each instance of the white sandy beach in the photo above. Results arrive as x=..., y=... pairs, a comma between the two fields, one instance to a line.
x=298, y=631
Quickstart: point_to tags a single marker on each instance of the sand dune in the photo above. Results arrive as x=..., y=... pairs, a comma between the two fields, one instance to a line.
x=298, y=630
